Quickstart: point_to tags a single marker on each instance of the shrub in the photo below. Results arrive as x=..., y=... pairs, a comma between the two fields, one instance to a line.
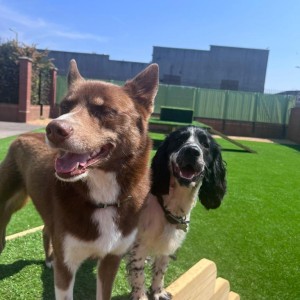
x=10, y=52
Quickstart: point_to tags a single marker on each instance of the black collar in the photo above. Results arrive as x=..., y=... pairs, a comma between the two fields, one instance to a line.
x=116, y=204
x=181, y=222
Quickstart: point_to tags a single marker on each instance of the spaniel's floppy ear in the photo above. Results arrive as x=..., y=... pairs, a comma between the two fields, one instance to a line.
x=160, y=170
x=213, y=186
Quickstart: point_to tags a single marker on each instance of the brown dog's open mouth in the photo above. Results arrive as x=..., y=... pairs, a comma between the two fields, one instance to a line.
x=70, y=164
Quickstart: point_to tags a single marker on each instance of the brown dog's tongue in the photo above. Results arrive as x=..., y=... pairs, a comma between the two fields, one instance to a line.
x=70, y=161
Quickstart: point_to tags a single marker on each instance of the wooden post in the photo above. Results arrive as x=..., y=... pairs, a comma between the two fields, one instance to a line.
x=201, y=282
x=197, y=283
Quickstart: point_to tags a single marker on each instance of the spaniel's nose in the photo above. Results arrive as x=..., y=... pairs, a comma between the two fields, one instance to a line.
x=193, y=151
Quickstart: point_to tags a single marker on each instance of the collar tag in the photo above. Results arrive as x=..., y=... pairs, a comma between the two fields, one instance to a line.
x=183, y=227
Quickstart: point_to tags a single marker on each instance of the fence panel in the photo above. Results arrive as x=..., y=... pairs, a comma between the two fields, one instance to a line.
x=273, y=108
x=209, y=104
x=240, y=106
x=216, y=104
x=61, y=87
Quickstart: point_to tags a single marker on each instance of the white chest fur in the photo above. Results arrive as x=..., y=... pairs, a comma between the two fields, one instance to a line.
x=103, y=188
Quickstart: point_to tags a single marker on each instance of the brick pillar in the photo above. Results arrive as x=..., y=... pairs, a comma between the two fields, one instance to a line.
x=294, y=125
x=24, y=88
x=52, y=99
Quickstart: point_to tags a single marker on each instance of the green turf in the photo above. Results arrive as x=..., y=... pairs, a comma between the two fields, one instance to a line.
x=157, y=136
x=254, y=237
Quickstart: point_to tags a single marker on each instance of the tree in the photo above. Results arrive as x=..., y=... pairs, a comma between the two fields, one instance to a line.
x=10, y=52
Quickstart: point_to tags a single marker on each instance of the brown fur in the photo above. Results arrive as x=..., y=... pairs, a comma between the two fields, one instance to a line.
x=108, y=114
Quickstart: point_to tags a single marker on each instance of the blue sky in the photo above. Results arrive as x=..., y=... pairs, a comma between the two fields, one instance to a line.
x=127, y=30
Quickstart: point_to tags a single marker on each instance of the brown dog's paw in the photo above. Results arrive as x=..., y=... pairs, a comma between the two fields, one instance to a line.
x=49, y=262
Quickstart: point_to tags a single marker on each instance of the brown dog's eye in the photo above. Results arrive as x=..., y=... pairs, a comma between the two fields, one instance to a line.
x=66, y=106
x=102, y=111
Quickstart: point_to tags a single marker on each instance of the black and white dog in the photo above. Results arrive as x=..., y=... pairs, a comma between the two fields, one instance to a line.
x=187, y=165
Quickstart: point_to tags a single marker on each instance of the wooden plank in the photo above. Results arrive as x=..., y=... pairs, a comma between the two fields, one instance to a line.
x=222, y=289
x=233, y=296
x=197, y=283
x=225, y=137
x=23, y=233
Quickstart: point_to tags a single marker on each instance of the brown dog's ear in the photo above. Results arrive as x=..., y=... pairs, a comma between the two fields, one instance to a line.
x=144, y=86
x=73, y=74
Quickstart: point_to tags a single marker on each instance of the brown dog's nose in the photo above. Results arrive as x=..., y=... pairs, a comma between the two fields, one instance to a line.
x=58, y=130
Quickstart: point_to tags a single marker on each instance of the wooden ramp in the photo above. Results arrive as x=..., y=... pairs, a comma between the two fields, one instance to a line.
x=201, y=283
x=171, y=126
x=225, y=137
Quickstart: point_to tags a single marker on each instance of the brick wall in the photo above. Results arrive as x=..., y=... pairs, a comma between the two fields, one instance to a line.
x=9, y=112
x=293, y=133
x=24, y=111
x=249, y=129
x=238, y=128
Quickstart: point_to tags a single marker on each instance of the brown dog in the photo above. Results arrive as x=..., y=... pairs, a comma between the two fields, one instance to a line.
x=90, y=184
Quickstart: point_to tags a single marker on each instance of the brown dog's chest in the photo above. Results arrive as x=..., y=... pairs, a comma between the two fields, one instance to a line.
x=100, y=231
x=110, y=239
x=79, y=210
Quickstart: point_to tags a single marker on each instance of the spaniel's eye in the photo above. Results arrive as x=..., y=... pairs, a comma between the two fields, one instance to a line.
x=204, y=141
x=205, y=144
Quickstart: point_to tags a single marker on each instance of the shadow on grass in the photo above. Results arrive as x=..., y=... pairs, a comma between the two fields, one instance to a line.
x=235, y=150
x=124, y=297
x=16, y=267
x=85, y=284
x=84, y=287
x=294, y=147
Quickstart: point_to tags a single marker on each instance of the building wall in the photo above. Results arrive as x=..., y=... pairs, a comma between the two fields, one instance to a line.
x=241, y=66
x=96, y=66
x=90, y=65
x=123, y=70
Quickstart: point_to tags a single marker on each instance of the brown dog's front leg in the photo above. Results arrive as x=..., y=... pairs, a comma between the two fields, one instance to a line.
x=63, y=279
x=107, y=270
x=47, y=247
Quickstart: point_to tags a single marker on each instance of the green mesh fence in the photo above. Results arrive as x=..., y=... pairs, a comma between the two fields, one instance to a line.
x=216, y=104
x=61, y=87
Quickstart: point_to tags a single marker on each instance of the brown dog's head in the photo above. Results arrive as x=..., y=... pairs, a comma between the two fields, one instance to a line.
x=101, y=125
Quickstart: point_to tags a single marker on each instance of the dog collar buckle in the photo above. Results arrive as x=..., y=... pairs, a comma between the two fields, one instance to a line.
x=180, y=222
x=183, y=227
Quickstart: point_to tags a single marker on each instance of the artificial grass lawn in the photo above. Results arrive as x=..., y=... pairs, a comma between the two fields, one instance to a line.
x=254, y=237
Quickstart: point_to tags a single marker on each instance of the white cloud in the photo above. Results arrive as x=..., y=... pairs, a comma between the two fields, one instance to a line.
x=78, y=36
x=37, y=30
x=20, y=19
